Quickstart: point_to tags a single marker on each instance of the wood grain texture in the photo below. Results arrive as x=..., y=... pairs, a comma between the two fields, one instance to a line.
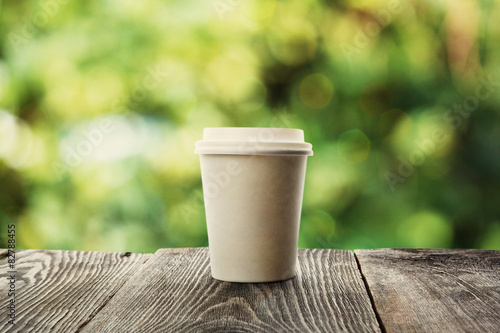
x=434, y=290
x=174, y=292
x=60, y=291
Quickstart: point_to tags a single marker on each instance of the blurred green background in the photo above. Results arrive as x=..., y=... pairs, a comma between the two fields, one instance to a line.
x=101, y=103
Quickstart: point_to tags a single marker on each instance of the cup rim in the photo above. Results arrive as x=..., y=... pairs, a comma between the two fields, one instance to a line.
x=253, y=141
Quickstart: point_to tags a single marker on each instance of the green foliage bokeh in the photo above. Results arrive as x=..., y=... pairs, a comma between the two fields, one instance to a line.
x=101, y=103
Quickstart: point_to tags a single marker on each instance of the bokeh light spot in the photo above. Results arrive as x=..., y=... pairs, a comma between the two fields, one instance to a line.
x=375, y=99
x=491, y=239
x=258, y=10
x=249, y=94
x=353, y=146
x=320, y=226
x=181, y=100
x=316, y=90
x=394, y=126
x=426, y=230
x=19, y=147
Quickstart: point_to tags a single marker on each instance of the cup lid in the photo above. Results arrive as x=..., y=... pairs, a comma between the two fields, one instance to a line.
x=253, y=141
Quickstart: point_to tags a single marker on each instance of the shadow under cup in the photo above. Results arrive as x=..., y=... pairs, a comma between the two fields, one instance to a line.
x=253, y=182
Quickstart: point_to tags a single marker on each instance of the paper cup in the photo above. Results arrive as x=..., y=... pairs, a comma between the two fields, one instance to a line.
x=253, y=181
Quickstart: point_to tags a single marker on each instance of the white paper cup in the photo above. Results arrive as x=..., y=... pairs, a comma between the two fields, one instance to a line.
x=253, y=181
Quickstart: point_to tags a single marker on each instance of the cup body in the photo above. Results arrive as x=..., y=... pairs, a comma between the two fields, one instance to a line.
x=253, y=205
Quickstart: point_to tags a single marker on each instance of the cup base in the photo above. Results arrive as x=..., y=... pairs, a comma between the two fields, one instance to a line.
x=254, y=281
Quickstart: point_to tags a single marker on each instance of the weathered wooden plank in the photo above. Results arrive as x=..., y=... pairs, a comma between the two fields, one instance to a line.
x=60, y=291
x=174, y=292
x=434, y=290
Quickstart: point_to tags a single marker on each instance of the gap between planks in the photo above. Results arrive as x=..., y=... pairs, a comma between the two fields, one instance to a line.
x=368, y=291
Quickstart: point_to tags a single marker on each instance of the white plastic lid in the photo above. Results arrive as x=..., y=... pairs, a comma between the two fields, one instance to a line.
x=253, y=141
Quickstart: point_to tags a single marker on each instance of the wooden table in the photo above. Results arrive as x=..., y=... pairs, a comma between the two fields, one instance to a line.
x=385, y=290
